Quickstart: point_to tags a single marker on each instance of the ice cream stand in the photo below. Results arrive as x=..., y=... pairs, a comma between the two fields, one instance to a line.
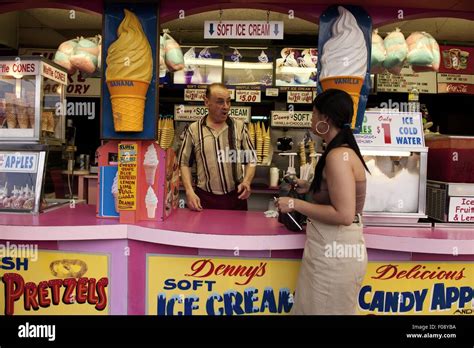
x=153, y=258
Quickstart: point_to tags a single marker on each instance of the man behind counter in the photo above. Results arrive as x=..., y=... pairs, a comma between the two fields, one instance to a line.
x=219, y=145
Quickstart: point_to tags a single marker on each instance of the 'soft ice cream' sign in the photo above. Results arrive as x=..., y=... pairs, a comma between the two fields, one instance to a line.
x=219, y=286
x=18, y=162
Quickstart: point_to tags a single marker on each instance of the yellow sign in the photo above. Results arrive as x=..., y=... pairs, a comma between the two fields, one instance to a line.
x=219, y=286
x=411, y=288
x=127, y=182
x=53, y=282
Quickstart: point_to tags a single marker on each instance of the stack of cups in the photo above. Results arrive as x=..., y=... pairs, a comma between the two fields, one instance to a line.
x=10, y=112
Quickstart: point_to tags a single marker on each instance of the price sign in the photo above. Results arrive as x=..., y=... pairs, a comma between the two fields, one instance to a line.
x=300, y=97
x=194, y=94
x=401, y=129
x=271, y=92
x=248, y=96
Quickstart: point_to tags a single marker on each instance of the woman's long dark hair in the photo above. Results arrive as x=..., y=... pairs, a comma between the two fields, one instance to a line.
x=338, y=106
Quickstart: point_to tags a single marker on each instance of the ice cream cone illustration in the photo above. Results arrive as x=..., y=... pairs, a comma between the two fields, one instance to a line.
x=128, y=75
x=151, y=201
x=344, y=58
x=150, y=163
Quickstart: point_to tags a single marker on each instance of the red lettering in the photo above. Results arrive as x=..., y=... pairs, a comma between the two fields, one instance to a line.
x=101, y=285
x=44, y=301
x=70, y=284
x=205, y=268
x=91, y=297
x=81, y=290
x=384, y=270
x=14, y=287
x=54, y=285
x=31, y=291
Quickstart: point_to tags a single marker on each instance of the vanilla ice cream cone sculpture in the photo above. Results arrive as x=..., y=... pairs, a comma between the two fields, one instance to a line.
x=128, y=75
x=344, y=58
x=151, y=201
x=150, y=163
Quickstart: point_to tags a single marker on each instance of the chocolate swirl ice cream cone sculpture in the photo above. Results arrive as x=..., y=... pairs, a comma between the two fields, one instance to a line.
x=128, y=75
x=344, y=58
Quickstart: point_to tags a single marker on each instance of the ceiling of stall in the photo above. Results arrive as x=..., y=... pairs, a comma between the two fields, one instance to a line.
x=47, y=28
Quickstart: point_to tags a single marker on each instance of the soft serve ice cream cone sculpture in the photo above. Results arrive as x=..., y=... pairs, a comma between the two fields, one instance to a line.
x=128, y=75
x=344, y=58
x=150, y=163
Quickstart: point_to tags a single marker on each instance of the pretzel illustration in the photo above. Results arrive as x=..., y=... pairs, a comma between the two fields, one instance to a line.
x=68, y=268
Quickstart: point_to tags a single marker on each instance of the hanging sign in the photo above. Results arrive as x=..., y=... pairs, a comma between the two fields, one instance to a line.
x=300, y=97
x=248, y=96
x=256, y=30
x=191, y=113
x=294, y=119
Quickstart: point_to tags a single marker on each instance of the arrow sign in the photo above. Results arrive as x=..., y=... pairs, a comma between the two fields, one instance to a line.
x=276, y=29
x=244, y=30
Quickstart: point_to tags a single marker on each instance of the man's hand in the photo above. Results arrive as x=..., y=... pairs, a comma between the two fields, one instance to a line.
x=244, y=190
x=194, y=203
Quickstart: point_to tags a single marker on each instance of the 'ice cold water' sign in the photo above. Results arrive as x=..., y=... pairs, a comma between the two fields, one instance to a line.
x=387, y=127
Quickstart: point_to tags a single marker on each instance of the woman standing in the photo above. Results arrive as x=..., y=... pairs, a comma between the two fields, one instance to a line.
x=335, y=258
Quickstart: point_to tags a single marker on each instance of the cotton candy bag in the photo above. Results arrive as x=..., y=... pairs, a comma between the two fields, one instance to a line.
x=424, y=54
x=397, y=50
x=378, y=54
x=174, y=59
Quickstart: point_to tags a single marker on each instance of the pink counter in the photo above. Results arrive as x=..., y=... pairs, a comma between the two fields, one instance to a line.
x=210, y=233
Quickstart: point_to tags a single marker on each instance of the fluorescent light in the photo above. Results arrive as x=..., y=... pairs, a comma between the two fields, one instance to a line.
x=253, y=66
x=385, y=153
x=295, y=70
x=203, y=61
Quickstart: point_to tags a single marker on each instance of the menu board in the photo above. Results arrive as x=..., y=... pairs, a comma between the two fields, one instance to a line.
x=424, y=82
x=248, y=66
x=455, y=83
x=400, y=129
x=296, y=67
x=202, y=65
x=127, y=182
